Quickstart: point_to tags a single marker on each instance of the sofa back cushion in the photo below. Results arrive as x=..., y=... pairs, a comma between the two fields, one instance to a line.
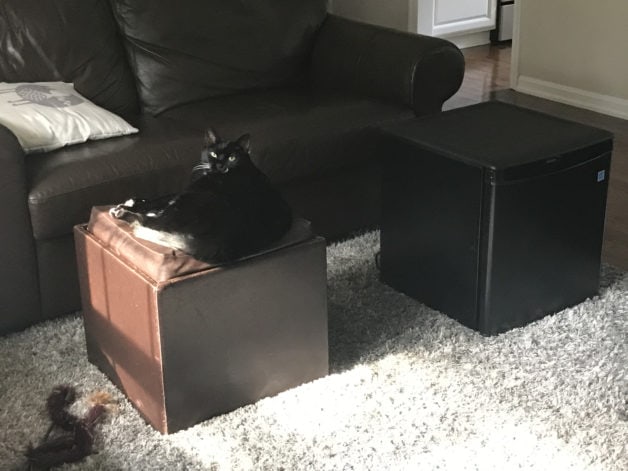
x=189, y=50
x=71, y=41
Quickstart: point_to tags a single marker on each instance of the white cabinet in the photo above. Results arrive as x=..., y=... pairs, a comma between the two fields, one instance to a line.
x=452, y=18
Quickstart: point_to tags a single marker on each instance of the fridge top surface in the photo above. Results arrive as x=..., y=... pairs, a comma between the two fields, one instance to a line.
x=501, y=136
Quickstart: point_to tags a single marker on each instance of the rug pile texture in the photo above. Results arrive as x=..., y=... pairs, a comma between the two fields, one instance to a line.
x=409, y=389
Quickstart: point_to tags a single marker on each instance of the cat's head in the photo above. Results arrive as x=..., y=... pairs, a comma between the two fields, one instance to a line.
x=220, y=156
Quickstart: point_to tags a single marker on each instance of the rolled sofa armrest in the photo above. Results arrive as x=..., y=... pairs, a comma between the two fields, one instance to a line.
x=411, y=69
x=19, y=286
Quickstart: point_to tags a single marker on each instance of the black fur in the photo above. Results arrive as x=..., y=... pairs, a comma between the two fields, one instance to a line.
x=228, y=210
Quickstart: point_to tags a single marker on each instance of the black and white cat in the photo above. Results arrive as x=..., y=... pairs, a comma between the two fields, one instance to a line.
x=228, y=210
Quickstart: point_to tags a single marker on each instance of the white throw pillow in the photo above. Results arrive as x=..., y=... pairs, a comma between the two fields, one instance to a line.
x=48, y=115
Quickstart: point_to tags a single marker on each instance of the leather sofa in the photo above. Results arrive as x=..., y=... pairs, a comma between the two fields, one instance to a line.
x=309, y=87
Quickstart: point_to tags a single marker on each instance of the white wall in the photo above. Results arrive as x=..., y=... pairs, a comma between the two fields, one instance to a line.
x=390, y=13
x=574, y=51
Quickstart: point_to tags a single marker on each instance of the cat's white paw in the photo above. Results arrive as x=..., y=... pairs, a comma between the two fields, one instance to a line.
x=117, y=211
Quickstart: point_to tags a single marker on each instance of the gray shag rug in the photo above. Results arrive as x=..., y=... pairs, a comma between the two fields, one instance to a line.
x=409, y=389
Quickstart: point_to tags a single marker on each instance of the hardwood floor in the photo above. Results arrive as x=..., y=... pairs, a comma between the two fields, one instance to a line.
x=487, y=77
x=487, y=70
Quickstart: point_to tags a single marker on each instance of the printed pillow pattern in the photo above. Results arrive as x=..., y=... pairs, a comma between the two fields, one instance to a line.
x=48, y=115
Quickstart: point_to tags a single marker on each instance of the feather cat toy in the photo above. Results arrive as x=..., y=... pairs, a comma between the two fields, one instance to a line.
x=74, y=439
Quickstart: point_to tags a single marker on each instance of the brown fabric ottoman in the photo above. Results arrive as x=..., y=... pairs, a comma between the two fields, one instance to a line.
x=186, y=341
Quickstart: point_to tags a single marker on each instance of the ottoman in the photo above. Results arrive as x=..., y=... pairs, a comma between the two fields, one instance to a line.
x=494, y=214
x=186, y=341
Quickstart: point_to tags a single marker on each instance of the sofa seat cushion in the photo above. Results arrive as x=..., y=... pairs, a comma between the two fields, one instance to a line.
x=73, y=41
x=66, y=183
x=294, y=132
x=190, y=50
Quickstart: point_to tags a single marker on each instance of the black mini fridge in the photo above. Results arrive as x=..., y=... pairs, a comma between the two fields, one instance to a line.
x=493, y=214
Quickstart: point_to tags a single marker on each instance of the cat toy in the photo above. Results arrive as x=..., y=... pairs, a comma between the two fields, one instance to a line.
x=73, y=439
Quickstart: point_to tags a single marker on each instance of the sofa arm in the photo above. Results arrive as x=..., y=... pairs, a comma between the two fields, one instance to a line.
x=418, y=71
x=19, y=286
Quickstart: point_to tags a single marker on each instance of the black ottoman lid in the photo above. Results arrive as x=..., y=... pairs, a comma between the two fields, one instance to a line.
x=161, y=263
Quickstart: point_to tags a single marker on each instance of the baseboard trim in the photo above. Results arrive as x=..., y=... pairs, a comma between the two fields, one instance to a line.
x=606, y=104
x=470, y=40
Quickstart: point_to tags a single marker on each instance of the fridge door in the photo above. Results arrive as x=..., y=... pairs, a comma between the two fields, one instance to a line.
x=543, y=240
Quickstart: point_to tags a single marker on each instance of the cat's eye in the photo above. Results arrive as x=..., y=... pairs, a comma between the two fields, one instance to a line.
x=232, y=158
x=213, y=154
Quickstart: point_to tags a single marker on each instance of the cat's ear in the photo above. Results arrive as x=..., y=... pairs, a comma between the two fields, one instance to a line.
x=210, y=137
x=245, y=142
